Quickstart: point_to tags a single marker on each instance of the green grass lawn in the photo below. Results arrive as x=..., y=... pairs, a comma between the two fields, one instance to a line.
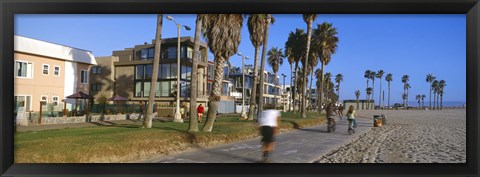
x=127, y=142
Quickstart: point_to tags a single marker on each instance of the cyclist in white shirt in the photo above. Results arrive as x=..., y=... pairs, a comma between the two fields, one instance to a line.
x=268, y=123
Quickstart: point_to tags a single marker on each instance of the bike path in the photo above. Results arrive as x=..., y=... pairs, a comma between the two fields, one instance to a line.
x=303, y=145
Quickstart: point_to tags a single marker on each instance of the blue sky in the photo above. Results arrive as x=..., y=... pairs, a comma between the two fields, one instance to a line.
x=399, y=44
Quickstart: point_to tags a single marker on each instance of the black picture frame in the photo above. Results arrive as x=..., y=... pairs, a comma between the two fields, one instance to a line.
x=8, y=8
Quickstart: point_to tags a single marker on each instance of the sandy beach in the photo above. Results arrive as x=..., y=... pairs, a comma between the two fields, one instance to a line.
x=410, y=136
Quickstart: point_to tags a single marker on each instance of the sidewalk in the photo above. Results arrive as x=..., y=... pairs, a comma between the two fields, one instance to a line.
x=299, y=146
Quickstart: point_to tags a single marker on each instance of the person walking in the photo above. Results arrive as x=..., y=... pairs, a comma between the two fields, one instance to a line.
x=268, y=124
x=340, y=111
x=200, y=112
x=331, y=112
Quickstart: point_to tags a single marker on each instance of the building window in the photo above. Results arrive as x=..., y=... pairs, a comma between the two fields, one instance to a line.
x=190, y=53
x=171, y=52
x=186, y=72
x=24, y=69
x=147, y=53
x=55, y=100
x=96, y=87
x=96, y=70
x=45, y=69
x=56, y=70
x=22, y=101
x=185, y=89
x=84, y=76
x=44, y=100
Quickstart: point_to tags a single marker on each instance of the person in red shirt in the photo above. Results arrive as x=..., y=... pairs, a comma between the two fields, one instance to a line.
x=200, y=112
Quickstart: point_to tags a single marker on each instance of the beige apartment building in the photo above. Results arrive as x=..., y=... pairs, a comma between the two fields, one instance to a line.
x=48, y=72
x=128, y=73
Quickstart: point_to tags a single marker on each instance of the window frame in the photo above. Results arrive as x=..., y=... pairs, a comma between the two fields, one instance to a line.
x=54, y=70
x=46, y=99
x=48, y=69
x=55, y=103
x=31, y=68
x=84, y=73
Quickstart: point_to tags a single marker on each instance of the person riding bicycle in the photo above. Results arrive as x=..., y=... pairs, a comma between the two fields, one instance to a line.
x=351, y=115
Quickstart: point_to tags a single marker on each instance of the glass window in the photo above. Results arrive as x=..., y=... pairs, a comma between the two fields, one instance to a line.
x=24, y=69
x=45, y=69
x=151, y=52
x=173, y=71
x=55, y=100
x=44, y=100
x=139, y=72
x=184, y=72
x=22, y=101
x=138, y=89
x=164, y=88
x=165, y=71
x=94, y=70
x=185, y=89
x=157, y=89
x=190, y=52
x=144, y=54
x=146, y=89
x=189, y=73
x=173, y=88
x=83, y=76
x=148, y=72
x=56, y=71
x=172, y=52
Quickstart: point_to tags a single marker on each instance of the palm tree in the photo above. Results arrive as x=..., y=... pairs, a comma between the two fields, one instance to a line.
x=441, y=86
x=326, y=40
x=318, y=76
x=367, y=76
x=418, y=98
x=379, y=76
x=430, y=79
x=327, y=79
x=369, y=92
x=423, y=97
x=338, y=79
x=308, y=18
x=389, y=79
x=404, y=97
x=194, y=87
x=435, y=90
x=147, y=122
x=405, y=79
x=268, y=20
x=357, y=95
x=407, y=87
x=312, y=63
x=256, y=28
x=275, y=60
x=373, y=74
x=291, y=60
x=222, y=32
x=294, y=49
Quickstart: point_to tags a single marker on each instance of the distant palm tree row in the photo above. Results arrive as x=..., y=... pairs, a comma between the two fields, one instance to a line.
x=436, y=86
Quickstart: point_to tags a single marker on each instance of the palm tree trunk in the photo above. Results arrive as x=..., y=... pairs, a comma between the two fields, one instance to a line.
x=253, y=96
x=309, y=37
x=193, y=127
x=366, y=95
x=380, y=94
x=215, y=94
x=296, y=87
x=434, y=97
x=373, y=92
x=406, y=102
x=275, y=93
x=262, y=65
x=310, y=95
x=441, y=101
x=291, y=86
x=147, y=122
x=430, y=95
x=438, y=98
x=320, y=93
x=389, y=95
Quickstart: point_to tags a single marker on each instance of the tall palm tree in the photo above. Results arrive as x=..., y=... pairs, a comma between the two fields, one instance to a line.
x=430, y=79
x=291, y=60
x=423, y=105
x=312, y=63
x=308, y=18
x=275, y=60
x=357, y=95
x=367, y=76
x=222, y=32
x=404, y=97
x=369, y=92
x=338, y=79
x=373, y=75
x=256, y=28
x=268, y=20
x=418, y=98
x=380, y=76
x=318, y=76
x=435, y=89
x=407, y=87
x=326, y=40
x=441, y=86
x=389, y=79
x=147, y=122
x=295, y=49
x=194, y=87
x=327, y=79
x=405, y=79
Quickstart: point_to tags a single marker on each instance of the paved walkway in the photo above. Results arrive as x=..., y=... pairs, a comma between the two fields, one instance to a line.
x=299, y=146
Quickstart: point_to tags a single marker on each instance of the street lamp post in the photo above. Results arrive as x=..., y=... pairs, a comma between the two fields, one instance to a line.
x=243, y=114
x=284, y=91
x=178, y=116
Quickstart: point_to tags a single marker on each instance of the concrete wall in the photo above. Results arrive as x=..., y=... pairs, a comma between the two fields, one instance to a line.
x=226, y=106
